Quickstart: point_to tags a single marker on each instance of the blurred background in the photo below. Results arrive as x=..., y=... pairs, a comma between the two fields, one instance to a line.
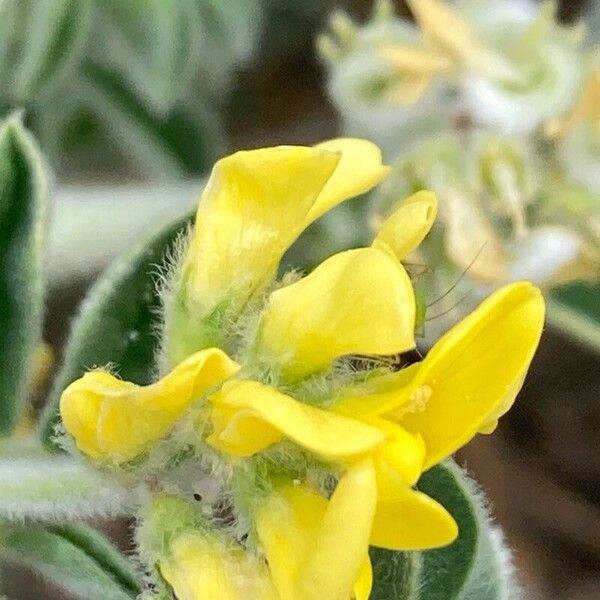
x=133, y=100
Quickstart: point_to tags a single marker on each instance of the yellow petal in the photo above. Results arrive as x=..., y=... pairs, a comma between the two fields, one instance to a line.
x=358, y=301
x=379, y=395
x=364, y=583
x=402, y=454
x=412, y=521
x=317, y=548
x=474, y=372
x=254, y=206
x=118, y=419
x=265, y=413
x=408, y=89
x=80, y=409
x=406, y=228
x=287, y=523
x=360, y=169
x=202, y=566
x=337, y=559
x=444, y=26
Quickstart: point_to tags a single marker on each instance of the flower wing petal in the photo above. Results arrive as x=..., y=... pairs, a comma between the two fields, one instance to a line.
x=411, y=520
x=360, y=169
x=357, y=301
x=338, y=557
x=117, y=419
x=253, y=207
x=320, y=431
x=475, y=371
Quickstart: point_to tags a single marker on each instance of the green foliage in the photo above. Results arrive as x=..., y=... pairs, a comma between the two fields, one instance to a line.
x=575, y=309
x=117, y=322
x=125, y=84
x=156, y=46
x=49, y=487
x=178, y=142
x=54, y=37
x=475, y=566
x=23, y=196
x=75, y=557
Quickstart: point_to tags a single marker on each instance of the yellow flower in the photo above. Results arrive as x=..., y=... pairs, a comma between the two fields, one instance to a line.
x=256, y=204
x=314, y=547
x=467, y=381
x=115, y=419
x=202, y=565
x=356, y=302
x=423, y=413
x=318, y=548
x=378, y=434
x=249, y=416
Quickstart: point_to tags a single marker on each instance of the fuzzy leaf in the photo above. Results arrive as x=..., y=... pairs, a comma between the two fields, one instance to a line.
x=396, y=575
x=117, y=322
x=184, y=141
x=475, y=566
x=49, y=487
x=23, y=197
x=54, y=38
x=77, y=558
x=156, y=46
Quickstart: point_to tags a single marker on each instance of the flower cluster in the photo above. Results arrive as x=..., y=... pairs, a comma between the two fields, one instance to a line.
x=507, y=66
x=297, y=401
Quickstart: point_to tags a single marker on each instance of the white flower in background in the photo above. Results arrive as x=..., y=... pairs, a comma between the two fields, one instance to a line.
x=518, y=66
x=578, y=134
x=500, y=64
x=385, y=81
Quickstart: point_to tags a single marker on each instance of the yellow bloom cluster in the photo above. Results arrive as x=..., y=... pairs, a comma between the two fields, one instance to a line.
x=377, y=431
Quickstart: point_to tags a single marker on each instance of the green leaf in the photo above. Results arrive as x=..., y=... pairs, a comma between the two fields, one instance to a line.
x=53, y=41
x=575, y=310
x=396, y=575
x=237, y=24
x=117, y=322
x=48, y=487
x=23, y=197
x=77, y=558
x=155, y=45
x=474, y=567
x=184, y=141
